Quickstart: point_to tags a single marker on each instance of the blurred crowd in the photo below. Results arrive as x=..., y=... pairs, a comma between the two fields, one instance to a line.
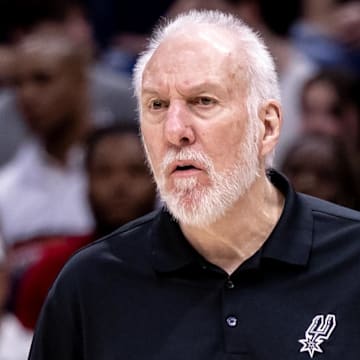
x=72, y=168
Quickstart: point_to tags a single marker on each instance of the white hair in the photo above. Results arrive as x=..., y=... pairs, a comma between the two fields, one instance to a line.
x=260, y=71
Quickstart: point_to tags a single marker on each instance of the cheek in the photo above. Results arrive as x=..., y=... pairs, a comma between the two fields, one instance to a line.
x=223, y=147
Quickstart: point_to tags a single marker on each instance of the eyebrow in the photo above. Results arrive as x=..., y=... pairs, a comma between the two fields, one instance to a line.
x=149, y=90
x=191, y=89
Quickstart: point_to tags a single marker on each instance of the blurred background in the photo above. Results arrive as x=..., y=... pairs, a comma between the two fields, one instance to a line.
x=72, y=167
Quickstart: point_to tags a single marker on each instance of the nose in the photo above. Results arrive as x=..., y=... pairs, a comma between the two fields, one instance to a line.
x=178, y=128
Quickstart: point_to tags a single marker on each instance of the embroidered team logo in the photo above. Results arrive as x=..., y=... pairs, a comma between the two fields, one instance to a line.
x=319, y=330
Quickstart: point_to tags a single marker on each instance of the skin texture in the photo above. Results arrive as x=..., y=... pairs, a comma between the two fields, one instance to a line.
x=194, y=96
x=189, y=100
x=201, y=102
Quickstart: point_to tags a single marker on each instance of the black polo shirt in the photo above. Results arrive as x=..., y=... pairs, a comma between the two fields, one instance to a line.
x=144, y=293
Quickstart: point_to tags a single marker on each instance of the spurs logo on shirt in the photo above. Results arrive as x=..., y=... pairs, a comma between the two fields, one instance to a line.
x=319, y=330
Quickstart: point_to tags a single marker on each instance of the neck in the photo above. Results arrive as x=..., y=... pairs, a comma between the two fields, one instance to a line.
x=237, y=236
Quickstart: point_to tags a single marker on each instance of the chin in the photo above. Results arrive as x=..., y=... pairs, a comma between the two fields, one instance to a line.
x=193, y=207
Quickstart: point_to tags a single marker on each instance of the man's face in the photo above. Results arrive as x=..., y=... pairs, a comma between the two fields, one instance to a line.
x=121, y=187
x=194, y=123
x=47, y=90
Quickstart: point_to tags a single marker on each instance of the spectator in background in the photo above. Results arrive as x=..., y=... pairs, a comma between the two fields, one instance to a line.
x=15, y=339
x=120, y=185
x=319, y=165
x=330, y=105
x=110, y=93
x=43, y=190
x=120, y=190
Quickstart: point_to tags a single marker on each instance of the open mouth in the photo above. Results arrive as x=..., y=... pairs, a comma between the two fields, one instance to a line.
x=185, y=168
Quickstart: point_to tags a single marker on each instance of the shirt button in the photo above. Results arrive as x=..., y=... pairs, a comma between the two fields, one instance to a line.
x=231, y=321
x=229, y=284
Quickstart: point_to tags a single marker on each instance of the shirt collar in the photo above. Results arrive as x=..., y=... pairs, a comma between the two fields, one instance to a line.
x=290, y=242
x=170, y=249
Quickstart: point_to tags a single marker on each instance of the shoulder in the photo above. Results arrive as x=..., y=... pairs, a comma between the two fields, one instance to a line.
x=132, y=234
x=129, y=246
x=324, y=209
x=122, y=256
x=334, y=227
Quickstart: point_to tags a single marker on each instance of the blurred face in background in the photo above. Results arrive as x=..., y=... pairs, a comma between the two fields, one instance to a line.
x=49, y=89
x=120, y=185
x=323, y=112
x=311, y=170
x=318, y=165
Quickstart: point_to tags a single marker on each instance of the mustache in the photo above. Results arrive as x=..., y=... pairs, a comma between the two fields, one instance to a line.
x=186, y=154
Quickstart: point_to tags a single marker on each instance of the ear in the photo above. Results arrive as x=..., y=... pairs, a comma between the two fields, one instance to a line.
x=271, y=118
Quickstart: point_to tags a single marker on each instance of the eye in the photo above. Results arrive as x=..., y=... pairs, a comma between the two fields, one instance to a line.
x=204, y=101
x=157, y=104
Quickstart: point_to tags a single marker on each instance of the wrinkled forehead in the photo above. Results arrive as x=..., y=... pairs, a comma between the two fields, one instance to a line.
x=209, y=52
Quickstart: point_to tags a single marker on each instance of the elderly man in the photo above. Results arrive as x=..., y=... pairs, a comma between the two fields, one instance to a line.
x=237, y=265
